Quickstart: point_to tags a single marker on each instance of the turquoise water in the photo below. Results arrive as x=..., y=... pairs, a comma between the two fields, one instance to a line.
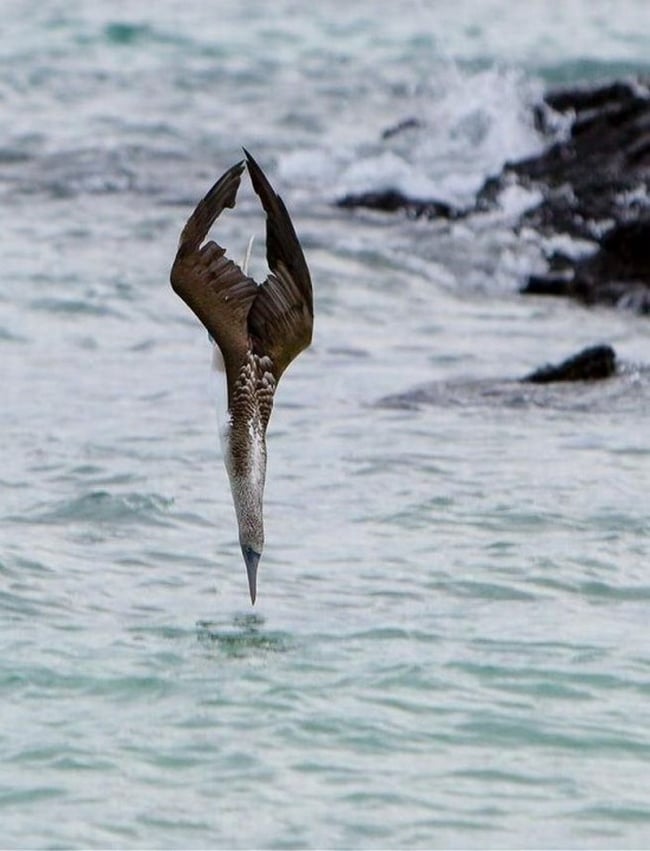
x=450, y=644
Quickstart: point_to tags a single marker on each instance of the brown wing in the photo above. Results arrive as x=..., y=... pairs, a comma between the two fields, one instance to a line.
x=281, y=319
x=211, y=285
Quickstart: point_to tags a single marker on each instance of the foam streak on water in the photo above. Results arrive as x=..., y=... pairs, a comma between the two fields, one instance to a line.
x=450, y=645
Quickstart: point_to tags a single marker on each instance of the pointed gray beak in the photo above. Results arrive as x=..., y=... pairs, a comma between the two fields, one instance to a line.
x=252, y=560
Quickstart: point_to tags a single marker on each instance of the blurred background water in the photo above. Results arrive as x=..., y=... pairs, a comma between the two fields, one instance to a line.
x=450, y=646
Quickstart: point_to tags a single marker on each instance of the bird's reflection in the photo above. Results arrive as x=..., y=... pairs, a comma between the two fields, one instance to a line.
x=243, y=635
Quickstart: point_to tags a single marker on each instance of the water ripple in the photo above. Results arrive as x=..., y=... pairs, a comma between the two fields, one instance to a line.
x=106, y=508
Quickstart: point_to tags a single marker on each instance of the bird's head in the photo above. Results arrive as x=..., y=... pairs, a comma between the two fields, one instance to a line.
x=251, y=559
x=248, y=505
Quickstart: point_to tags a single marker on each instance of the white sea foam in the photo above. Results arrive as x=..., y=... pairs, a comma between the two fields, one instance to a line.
x=469, y=125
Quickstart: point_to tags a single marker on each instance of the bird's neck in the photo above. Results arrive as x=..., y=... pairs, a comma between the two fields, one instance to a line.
x=244, y=447
x=244, y=441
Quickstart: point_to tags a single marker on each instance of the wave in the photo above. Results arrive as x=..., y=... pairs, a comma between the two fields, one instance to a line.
x=443, y=143
x=105, y=508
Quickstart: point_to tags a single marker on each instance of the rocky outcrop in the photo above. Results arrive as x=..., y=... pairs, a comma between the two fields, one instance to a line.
x=594, y=183
x=598, y=175
x=392, y=201
x=618, y=273
x=591, y=364
x=572, y=385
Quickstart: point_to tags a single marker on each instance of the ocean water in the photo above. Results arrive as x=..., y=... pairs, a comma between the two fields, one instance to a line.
x=450, y=646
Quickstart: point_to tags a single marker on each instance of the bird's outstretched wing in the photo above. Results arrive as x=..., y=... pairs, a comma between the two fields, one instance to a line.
x=211, y=285
x=281, y=318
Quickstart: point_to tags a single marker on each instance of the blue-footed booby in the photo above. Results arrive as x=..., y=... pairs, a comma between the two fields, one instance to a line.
x=258, y=328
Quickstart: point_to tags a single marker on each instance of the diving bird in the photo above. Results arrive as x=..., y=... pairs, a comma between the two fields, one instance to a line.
x=258, y=328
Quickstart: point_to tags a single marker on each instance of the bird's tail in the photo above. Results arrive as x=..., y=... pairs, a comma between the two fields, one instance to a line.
x=247, y=255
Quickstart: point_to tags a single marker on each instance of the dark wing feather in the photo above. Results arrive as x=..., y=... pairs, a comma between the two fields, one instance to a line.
x=211, y=285
x=282, y=316
x=222, y=194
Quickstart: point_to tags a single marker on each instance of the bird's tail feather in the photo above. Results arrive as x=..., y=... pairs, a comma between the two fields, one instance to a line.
x=247, y=255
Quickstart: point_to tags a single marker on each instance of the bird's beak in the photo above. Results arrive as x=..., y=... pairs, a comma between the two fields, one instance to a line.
x=251, y=559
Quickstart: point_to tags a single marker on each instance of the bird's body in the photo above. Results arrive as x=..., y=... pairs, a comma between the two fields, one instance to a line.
x=258, y=328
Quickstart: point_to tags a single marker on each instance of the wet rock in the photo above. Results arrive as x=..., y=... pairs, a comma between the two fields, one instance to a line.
x=604, y=159
x=392, y=200
x=573, y=385
x=401, y=127
x=618, y=273
x=594, y=182
x=595, y=186
x=595, y=362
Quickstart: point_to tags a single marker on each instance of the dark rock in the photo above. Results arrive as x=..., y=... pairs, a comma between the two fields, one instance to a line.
x=582, y=99
x=574, y=385
x=606, y=157
x=554, y=285
x=392, y=200
x=595, y=185
x=595, y=362
x=618, y=273
x=400, y=127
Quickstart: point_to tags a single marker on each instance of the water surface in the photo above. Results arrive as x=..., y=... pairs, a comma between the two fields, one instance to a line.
x=450, y=645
